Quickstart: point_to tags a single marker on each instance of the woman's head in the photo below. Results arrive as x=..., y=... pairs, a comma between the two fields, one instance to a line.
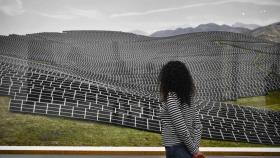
x=175, y=77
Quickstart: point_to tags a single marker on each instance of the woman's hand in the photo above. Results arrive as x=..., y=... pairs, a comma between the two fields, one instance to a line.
x=198, y=155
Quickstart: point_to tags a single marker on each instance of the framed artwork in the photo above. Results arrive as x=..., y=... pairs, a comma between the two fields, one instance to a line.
x=85, y=73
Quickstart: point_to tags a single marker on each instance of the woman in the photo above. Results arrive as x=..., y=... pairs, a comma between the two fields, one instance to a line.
x=181, y=127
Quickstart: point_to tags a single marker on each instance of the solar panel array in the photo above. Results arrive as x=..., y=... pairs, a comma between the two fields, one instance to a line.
x=111, y=77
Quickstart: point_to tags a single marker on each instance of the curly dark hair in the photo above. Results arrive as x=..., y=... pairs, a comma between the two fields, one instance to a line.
x=175, y=77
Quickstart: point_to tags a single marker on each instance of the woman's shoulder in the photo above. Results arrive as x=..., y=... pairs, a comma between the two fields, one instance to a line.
x=172, y=94
x=172, y=98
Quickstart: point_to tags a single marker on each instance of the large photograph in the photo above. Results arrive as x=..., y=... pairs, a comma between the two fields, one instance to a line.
x=88, y=72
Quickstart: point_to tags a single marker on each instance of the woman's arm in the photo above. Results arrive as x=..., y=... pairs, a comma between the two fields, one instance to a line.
x=178, y=122
x=197, y=128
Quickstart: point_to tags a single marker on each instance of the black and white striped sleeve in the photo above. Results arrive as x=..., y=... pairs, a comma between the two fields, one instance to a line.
x=178, y=122
x=197, y=128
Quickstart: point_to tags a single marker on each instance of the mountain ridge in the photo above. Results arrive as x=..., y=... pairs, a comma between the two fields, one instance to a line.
x=237, y=28
x=270, y=32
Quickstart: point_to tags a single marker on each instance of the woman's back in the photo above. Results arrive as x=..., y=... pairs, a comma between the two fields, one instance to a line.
x=180, y=123
x=181, y=127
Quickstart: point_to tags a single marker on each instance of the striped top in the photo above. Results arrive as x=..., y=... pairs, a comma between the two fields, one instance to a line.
x=180, y=123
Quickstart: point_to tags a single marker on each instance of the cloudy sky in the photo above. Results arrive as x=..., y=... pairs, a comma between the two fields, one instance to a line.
x=29, y=16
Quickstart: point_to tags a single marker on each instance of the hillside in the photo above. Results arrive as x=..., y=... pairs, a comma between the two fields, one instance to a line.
x=270, y=32
x=50, y=131
x=111, y=77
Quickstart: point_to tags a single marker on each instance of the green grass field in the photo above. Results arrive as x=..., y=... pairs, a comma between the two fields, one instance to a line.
x=26, y=129
x=270, y=101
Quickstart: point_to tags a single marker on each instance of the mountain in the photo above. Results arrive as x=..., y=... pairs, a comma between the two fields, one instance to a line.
x=248, y=26
x=200, y=28
x=270, y=32
x=139, y=32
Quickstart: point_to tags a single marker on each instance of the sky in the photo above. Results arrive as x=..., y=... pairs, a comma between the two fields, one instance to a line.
x=31, y=16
